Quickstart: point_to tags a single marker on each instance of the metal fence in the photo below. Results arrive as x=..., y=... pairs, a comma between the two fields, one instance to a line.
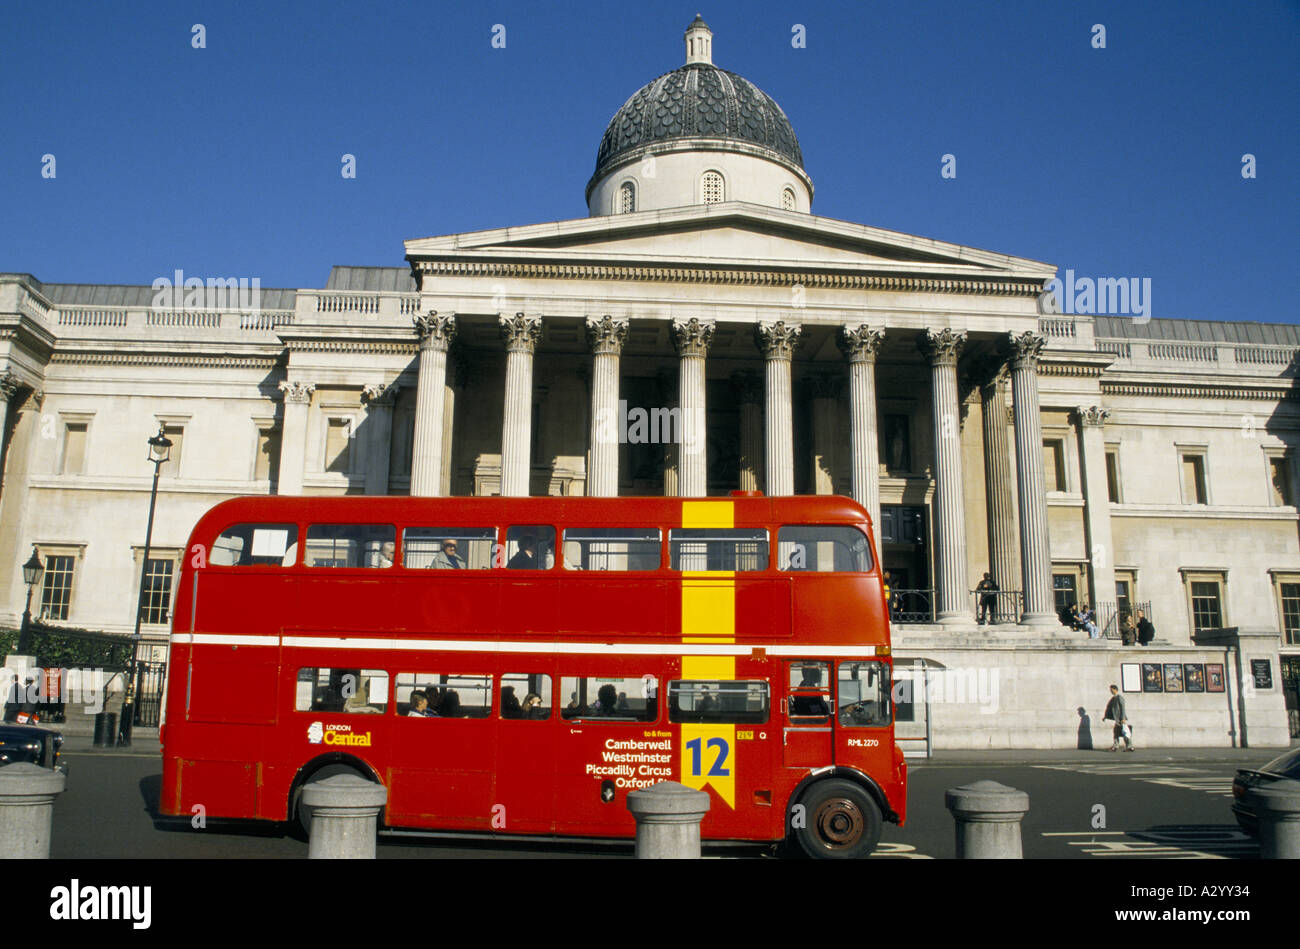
x=1003, y=608
x=911, y=606
x=1111, y=617
x=149, y=679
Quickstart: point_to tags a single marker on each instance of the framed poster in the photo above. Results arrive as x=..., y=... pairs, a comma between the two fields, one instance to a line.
x=1261, y=670
x=1152, y=680
x=1173, y=677
x=1194, y=676
x=1130, y=677
x=1214, y=677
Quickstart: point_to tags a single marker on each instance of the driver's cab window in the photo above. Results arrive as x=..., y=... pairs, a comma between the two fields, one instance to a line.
x=864, y=694
x=810, y=692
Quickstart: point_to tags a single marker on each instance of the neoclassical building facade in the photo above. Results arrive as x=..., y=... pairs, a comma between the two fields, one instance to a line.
x=702, y=331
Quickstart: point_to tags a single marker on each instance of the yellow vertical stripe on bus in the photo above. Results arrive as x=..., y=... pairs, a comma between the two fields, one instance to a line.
x=709, y=616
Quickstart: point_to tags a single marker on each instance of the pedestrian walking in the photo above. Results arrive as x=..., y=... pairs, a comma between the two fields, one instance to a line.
x=1116, y=712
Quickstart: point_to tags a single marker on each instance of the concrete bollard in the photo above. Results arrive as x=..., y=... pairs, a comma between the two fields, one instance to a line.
x=1277, y=808
x=668, y=818
x=27, y=794
x=344, y=817
x=988, y=818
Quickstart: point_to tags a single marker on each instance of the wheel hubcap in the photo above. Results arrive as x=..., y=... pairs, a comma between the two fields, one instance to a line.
x=840, y=823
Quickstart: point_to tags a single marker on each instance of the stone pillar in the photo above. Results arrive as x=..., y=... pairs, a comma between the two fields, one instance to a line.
x=668, y=384
x=1277, y=809
x=778, y=341
x=8, y=387
x=293, y=442
x=521, y=334
x=749, y=394
x=456, y=376
x=692, y=338
x=1096, y=497
x=436, y=333
x=1004, y=550
x=1035, y=549
x=344, y=817
x=860, y=344
x=988, y=818
x=941, y=348
x=607, y=336
x=27, y=794
x=825, y=424
x=379, y=401
x=668, y=818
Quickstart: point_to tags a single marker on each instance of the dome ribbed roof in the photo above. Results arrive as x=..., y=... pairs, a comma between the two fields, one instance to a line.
x=699, y=100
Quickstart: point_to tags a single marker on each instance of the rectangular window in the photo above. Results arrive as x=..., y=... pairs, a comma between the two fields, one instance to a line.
x=74, y=448
x=1054, y=464
x=266, y=464
x=1290, y=593
x=338, y=439
x=449, y=695
x=345, y=691
x=610, y=699
x=448, y=548
x=823, y=549
x=864, y=694
x=1112, y=476
x=176, y=435
x=526, y=696
x=611, y=548
x=157, y=594
x=1279, y=473
x=1064, y=591
x=1207, y=612
x=722, y=701
x=530, y=547
x=254, y=545
x=717, y=548
x=351, y=545
x=810, y=693
x=1194, y=491
x=56, y=588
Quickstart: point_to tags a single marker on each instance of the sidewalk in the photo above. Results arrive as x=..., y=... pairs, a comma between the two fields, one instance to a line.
x=142, y=743
x=1243, y=757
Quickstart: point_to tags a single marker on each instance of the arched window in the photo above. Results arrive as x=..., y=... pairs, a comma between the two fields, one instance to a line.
x=626, y=198
x=712, y=188
x=787, y=200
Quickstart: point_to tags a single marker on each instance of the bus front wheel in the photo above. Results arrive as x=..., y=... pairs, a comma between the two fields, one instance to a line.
x=838, y=821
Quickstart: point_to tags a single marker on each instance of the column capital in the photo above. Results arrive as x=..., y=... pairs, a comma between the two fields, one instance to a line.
x=860, y=343
x=941, y=347
x=607, y=335
x=748, y=386
x=693, y=337
x=299, y=392
x=380, y=395
x=436, y=330
x=35, y=399
x=521, y=332
x=9, y=384
x=1092, y=415
x=779, y=339
x=1025, y=348
x=824, y=386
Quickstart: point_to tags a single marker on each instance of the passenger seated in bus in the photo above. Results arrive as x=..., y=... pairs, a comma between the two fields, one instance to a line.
x=606, y=701
x=450, y=707
x=387, y=553
x=532, y=708
x=707, y=702
x=419, y=705
x=446, y=557
x=510, y=707
x=809, y=704
x=526, y=558
x=574, y=707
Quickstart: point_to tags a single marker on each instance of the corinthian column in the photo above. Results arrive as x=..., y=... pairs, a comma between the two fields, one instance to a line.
x=692, y=338
x=1004, y=551
x=436, y=333
x=778, y=341
x=749, y=395
x=521, y=333
x=293, y=444
x=379, y=401
x=1035, y=549
x=941, y=348
x=1096, y=497
x=8, y=386
x=607, y=336
x=860, y=344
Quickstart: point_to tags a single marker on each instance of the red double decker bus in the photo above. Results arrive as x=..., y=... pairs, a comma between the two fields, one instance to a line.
x=518, y=665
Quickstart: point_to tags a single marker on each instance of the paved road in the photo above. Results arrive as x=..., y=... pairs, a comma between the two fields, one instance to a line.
x=1095, y=807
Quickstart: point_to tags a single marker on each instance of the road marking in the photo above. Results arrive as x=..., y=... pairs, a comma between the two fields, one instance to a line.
x=1203, y=843
x=902, y=851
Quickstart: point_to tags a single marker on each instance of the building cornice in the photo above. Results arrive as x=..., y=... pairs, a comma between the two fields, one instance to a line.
x=190, y=360
x=1207, y=390
x=362, y=345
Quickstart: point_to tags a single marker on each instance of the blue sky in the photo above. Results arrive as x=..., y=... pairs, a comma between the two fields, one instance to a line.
x=225, y=161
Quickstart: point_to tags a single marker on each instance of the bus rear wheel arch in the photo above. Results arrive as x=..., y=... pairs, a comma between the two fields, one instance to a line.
x=836, y=819
x=299, y=815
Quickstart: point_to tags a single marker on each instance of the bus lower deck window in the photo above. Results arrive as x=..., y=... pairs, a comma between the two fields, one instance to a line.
x=449, y=695
x=348, y=691
x=723, y=701
x=610, y=699
x=864, y=694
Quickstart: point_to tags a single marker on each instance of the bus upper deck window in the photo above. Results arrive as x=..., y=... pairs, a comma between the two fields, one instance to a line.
x=252, y=545
x=611, y=548
x=351, y=545
x=823, y=548
x=530, y=547
x=718, y=548
x=448, y=548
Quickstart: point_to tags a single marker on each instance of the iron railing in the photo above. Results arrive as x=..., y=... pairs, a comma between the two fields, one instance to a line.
x=911, y=606
x=1005, y=607
x=1111, y=617
x=149, y=679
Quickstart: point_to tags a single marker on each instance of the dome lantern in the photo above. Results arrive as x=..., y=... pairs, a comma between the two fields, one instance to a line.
x=699, y=42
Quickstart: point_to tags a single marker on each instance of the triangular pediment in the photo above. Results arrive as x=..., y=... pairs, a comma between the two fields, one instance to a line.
x=732, y=235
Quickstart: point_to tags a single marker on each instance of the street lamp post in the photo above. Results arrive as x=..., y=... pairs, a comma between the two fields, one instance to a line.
x=160, y=448
x=32, y=571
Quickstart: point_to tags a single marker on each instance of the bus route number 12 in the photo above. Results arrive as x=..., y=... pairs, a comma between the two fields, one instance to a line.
x=717, y=771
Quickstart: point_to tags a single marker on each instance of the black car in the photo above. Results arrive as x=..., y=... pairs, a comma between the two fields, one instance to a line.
x=30, y=743
x=1287, y=766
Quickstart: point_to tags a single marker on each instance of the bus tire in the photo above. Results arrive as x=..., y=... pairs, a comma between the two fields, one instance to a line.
x=301, y=812
x=840, y=821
